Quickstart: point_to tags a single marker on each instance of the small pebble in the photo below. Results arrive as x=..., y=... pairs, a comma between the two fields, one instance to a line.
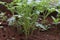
x=8, y=39
x=46, y=39
x=47, y=35
x=13, y=38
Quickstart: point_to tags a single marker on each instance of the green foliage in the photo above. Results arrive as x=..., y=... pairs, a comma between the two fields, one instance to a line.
x=55, y=20
x=2, y=17
x=27, y=14
x=27, y=18
x=45, y=8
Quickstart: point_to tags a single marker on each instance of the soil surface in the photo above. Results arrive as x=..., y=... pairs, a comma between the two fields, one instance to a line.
x=7, y=33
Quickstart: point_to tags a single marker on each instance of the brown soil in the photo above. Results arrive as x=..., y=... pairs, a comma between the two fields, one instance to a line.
x=7, y=33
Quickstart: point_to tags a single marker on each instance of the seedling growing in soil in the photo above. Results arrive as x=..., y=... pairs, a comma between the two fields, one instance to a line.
x=28, y=17
x=56, y=22
x=27, y=14
x=45, y=9
x=2, y=18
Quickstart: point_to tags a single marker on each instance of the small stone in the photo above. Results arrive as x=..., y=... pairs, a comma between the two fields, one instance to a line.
x=47, y=35
x=8, y=39
x=13, y=38
x=46, y=39
x=5, y=29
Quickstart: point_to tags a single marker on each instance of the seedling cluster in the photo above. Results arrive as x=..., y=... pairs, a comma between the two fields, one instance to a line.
x=28, y=12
